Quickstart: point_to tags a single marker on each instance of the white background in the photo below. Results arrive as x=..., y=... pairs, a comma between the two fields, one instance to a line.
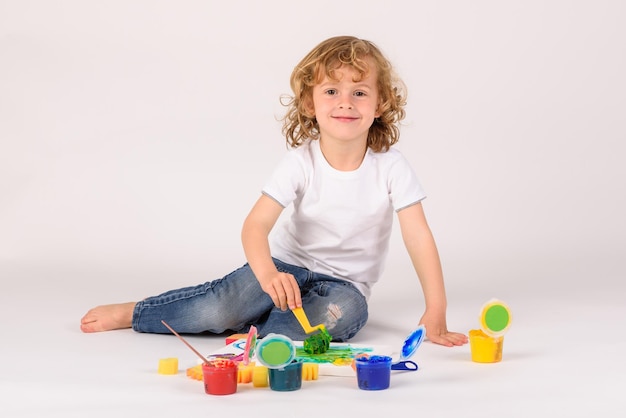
x=135, y=136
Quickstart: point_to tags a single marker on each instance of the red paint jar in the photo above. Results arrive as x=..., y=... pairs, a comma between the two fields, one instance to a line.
x=220, y=377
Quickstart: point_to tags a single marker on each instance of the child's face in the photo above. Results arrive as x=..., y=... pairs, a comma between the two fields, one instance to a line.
x=346, y=109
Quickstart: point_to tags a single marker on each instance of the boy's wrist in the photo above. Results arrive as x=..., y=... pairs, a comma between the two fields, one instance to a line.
x=436, y=309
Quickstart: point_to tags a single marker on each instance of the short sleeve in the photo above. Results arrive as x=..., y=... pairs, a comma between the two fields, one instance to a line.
x=405, y=188
x=287, y=179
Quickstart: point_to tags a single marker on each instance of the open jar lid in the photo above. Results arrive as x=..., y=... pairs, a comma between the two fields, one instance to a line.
x=412, y=342
x=495, y=318
x=275, y=351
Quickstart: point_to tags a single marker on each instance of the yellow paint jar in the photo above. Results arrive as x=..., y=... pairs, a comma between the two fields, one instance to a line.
x=485, y=349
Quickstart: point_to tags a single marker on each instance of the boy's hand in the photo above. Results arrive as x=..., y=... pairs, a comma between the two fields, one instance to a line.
x=283, y=289
x=437, y=332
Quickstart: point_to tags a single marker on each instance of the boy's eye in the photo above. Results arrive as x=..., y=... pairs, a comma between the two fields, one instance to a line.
x=331, y=92
x=359, y=93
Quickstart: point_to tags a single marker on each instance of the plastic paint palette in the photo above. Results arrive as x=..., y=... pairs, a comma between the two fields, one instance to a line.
x=495, y=318
x=275, y=351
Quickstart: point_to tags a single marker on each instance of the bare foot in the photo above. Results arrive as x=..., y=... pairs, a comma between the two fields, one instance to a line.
x=108, y=317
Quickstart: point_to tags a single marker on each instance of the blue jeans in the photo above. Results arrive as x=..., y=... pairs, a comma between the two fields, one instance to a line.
x=236, y=301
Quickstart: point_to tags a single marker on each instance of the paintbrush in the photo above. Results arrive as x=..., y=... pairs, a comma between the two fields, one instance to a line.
x=204, y=360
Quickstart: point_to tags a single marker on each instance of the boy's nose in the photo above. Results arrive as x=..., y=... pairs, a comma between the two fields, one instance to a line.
x=345, y=104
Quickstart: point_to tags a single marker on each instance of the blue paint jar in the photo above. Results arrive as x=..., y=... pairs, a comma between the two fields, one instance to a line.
x=287, y=378
x=373, y=372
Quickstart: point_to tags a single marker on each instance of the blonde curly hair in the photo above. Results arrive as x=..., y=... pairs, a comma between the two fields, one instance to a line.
x=299, y=124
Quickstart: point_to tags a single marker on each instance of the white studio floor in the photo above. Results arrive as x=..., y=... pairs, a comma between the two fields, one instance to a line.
x=563, y=355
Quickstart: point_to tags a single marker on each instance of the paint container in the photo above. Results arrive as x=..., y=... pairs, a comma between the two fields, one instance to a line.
x=220, y=377
x=287, y=378
x=373, y=372
x=485, y=349
x=486, y=343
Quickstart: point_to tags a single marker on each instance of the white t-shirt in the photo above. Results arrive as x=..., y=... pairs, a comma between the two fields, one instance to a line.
x=341, y=220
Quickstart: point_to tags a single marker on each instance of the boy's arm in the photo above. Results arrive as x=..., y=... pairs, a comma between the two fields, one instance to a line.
x=281, y=287
x=420, y=244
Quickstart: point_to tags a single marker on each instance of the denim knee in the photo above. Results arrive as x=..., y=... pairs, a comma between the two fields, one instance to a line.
x=347, y=325
x=339, y=306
